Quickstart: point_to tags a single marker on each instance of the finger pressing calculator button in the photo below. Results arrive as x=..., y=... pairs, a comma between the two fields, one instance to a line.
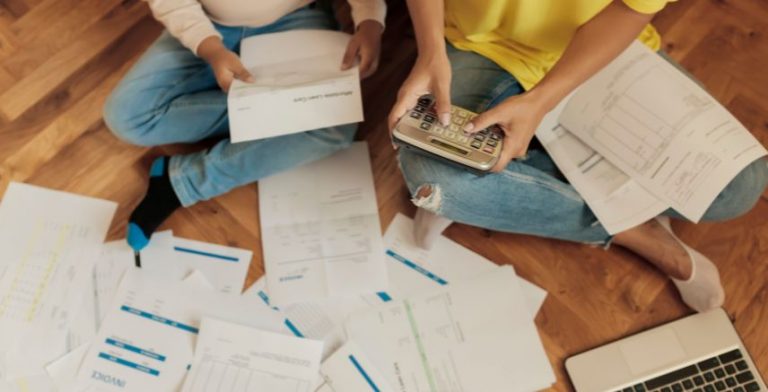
x=476, y=144
x=425, y=125
x=429, y=119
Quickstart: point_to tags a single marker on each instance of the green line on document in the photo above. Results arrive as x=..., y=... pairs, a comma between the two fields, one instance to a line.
x=420, y=346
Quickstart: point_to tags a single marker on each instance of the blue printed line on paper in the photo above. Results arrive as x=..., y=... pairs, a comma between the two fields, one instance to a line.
x=129, y=364
x=384, y=296
x=416, y=267
x=207, y=254
x=135, y=349
x=159, y=319
x=293, y=328
x=363, y=373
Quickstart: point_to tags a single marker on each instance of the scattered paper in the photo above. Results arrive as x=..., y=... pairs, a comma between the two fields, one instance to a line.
x=414, y=270
x=349, y=370
x=299, y=87
x=224, y=267
x=321, y=230
x=469, y=336
x=50, y=240
x=231, y=357
x=147, y=339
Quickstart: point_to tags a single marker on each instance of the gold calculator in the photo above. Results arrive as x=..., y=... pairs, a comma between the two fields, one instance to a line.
x=421, y=130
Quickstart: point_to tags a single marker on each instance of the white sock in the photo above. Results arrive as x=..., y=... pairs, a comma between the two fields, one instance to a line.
x=427, y=227
x=703, y=290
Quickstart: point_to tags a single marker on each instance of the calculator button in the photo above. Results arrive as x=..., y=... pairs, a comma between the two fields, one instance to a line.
x=495, y=136
x=476, y=144
x=492, y=142
x=425, y=126
x=454, y=128
x=479, y=138
x=463, y=113
x=488, y=149
x=450, y=135
x=416, y=115
x=428, y=118
x=462, y=139
x=419, y=108
x=424, y=101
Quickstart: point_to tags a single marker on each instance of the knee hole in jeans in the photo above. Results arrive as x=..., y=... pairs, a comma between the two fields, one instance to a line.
x=428, y=197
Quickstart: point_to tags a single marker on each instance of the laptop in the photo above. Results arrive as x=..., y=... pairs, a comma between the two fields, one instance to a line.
x=699, y=353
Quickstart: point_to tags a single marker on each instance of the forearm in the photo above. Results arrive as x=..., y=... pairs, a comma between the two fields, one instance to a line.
x=428, y=24
x=595, y=44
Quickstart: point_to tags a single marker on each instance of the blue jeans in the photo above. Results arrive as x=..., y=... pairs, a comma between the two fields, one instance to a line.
x=171, y=96
x=530, y=196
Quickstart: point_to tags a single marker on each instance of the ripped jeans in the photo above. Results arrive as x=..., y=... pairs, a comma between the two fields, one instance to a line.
x=530, y=196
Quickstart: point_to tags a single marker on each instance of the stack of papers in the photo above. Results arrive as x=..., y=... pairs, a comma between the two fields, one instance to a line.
x=640, y=137
x=341, y=308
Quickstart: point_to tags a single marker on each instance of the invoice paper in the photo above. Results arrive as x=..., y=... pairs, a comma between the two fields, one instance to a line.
x=321, y=230
x=469, y=336
x=413, y=270
x=662, y=129
x=350, y=370
x=618, y=201
x=298, y=87
x=320, y=319
x=146, y=341
x=225, y=267
x=234, y=358
x=49, y=240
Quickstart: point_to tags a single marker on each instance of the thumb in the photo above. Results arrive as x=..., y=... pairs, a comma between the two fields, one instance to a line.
x=242, y=73
x=481, y=121
x=349, y=55
x=443, y=104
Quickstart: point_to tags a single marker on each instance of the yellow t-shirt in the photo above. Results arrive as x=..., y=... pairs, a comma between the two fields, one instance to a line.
x=527, y=37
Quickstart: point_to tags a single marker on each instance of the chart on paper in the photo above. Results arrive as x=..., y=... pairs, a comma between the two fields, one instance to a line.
x=220, y=376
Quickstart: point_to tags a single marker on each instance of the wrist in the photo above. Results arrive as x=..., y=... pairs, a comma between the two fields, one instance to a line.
x=370, y=25
x=210, y=48
x=543, y=98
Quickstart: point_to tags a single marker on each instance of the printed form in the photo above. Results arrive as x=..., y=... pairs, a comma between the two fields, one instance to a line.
x=349, y=370
x=662, y=129
x=470, y=336
x=619, y=202
x=146, y=342
x=299, y=87
x=321, y=230
x=50, y=240
x=235, y=358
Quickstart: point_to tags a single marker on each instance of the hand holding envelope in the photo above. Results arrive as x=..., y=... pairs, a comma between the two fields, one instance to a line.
x=298, y=87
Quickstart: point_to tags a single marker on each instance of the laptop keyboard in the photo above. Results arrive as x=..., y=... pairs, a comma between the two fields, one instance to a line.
x=728, y=372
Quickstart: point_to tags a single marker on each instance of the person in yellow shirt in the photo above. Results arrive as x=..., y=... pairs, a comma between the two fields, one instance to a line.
x=512, y=61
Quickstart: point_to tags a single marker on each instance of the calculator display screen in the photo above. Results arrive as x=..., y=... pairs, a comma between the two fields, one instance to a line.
x=449, y=147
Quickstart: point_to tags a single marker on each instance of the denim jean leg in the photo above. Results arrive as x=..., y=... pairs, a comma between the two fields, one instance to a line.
x=527, y=197
x=169, y=96
x=206, y=174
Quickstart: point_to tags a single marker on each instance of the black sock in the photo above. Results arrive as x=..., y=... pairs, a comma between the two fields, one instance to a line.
x=158, y=204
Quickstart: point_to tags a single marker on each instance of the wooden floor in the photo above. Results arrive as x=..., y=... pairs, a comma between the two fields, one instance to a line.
x=60, y=58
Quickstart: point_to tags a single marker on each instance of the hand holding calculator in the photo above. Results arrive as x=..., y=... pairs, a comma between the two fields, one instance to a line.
x=420, y=130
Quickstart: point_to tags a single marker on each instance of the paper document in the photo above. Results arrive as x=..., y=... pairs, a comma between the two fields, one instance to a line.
x=413, y=270
x=234, y=358
x=146, y=341
x=224, y=267
x=662, y=129
x=50, y=240
x=349, y=370
x=470, y=336
x=619, y=202
x=320, y=319
x=321, y=230
x=298, y=87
